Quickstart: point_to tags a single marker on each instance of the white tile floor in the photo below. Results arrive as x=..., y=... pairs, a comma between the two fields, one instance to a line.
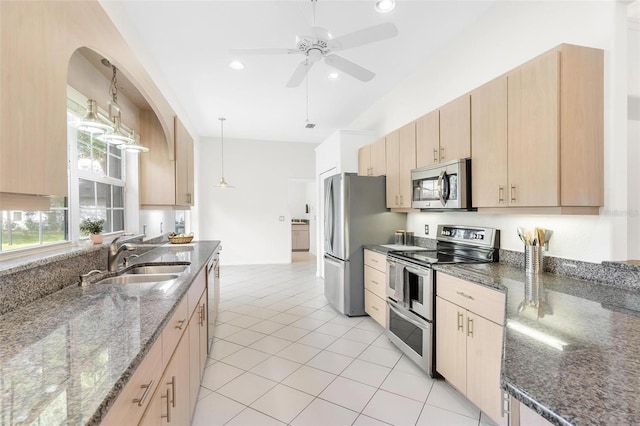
x=282, y=355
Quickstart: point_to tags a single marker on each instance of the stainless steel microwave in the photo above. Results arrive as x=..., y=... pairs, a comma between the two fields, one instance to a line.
x=443, y=186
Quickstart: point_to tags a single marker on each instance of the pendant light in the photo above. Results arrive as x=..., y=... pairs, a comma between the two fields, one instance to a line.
x=223, y=183
x=117, y=135
x=91, y=123
x=134, y=146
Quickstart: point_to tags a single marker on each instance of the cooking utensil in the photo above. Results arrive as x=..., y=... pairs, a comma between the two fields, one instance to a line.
x=521, y=234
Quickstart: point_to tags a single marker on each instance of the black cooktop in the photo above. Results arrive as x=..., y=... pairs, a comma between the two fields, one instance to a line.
x=427, y=257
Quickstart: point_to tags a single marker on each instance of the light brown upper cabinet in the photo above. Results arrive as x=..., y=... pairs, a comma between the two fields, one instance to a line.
x=445, y=134
x=33, y=128
x=166, y=177
x=184, y=165
x=553, y=110
x=401, y=159
x=371, y=159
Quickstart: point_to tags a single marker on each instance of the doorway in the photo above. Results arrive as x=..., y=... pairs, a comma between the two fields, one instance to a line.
x=303, y=215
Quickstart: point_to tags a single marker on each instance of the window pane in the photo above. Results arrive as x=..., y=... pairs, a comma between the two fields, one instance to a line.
x=54, y=226
x=99, y=157
x=115, y=162
x=103, y=192
x=118, y=220
x=87, y=193
x=22, y=233
x=118, y=196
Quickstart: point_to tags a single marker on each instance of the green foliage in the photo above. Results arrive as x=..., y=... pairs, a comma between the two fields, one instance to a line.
x=90, y=226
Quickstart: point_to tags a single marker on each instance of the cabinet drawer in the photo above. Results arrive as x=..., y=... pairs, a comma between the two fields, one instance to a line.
x=375, y=281
x=174, y=330
x=376, y=307
x=478, y=299
x=195, y=291
x=375, y=260
x=135, y=396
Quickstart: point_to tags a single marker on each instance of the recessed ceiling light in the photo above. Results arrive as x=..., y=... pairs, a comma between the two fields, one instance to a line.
x=236, y=65
x=384, y=6
x=334, y=76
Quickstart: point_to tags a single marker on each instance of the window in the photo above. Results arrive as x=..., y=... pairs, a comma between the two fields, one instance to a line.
x=23, y=229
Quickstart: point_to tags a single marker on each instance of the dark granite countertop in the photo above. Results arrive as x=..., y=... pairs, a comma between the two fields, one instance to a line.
x=588, y=371
x=65, y=358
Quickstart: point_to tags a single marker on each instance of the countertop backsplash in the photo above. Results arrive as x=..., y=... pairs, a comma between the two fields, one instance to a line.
x=25, y=280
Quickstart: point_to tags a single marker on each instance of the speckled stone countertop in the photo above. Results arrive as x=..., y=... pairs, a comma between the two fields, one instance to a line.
x=592, y=375
x=64, y=358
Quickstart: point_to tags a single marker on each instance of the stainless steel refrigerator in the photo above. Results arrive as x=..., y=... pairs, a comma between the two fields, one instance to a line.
x=355, y=215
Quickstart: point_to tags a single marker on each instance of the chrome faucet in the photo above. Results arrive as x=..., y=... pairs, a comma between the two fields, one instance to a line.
x=114, y=254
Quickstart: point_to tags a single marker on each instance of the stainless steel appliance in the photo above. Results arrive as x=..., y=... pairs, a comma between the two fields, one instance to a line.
x=444, y=186
x=411, y=286
x=355, y=214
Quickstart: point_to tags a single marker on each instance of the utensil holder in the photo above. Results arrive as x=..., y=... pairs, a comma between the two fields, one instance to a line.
x=533, y=259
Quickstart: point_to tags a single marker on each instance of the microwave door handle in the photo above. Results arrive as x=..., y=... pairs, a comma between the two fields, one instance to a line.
x=441, y=195
x=394, y=308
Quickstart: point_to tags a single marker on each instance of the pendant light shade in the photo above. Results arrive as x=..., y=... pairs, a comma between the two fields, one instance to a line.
x=117, y=135
x=91, y=123
x=223, y=183
x=134, y=146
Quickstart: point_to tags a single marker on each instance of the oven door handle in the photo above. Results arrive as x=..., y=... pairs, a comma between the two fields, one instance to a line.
x=420, y=272
x=398, y=310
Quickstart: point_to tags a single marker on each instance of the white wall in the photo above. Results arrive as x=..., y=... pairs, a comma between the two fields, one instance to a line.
x=510, y=34
x=247, y=218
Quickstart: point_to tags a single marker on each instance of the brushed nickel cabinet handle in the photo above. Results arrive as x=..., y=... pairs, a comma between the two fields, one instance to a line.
x=396, y=199
x=401, y=200
x=435, y=155
x=469, y=327
x=168, y=416
x=173, y=391
x=442, y=153
x=501, y=194
x=180, y=324
x=513, y=193
x=146, y=388
x=464, y=295
x=374, y=308
x=460, y=321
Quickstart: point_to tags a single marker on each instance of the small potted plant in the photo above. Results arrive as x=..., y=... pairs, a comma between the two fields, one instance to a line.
x=94, y=228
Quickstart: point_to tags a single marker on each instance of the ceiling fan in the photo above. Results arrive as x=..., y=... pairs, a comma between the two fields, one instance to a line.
x=320, y=45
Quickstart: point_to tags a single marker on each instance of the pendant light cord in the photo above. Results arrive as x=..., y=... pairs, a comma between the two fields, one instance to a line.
x=222, y=144
x=114, y=86
x=306, y=80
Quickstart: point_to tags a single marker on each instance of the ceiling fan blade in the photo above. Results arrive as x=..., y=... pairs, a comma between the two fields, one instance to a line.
x=364, y=36
x=300, y=73
x=348, y=67
x=264, y=51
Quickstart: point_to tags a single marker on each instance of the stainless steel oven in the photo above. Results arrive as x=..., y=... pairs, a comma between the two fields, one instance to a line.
x=410, y=311
x=410, y=287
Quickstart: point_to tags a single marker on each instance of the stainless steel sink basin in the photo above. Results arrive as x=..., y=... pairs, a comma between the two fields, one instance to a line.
x=157, y=269
x=138, y=278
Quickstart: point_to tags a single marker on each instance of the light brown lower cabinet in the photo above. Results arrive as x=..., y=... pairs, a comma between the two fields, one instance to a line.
x=164, y=388
x=469, y=345
x=171, y=402
x=375, y=278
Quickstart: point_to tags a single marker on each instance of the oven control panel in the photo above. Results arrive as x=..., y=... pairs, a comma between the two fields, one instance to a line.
x=486, y=237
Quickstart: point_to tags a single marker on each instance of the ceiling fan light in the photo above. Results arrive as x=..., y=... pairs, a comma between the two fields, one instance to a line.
x=91, y=123
x=236, y=65
x=384, y=6
x=334, y=76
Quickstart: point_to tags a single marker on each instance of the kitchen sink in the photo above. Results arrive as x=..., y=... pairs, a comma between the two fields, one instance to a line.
x=138, y=278
x=157, y=269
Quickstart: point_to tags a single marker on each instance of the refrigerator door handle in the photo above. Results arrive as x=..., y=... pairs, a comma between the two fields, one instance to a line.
x=329, y=203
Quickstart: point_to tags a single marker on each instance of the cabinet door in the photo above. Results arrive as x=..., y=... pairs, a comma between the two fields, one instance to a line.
x=533, y=92
x=184, y=165
x=484, y=354
x=428, y=139
x=489, y=144
x=364, y=161
x=33, y=125
x=194, y=359
x=455, y=129
x=375, y=307
x=393, y=166
x=407, y=162
x=378, y=157
x=451, y=343
x=157, y=167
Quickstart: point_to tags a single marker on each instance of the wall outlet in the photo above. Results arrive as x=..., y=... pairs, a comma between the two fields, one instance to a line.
x=426, y=230
x=281, y=218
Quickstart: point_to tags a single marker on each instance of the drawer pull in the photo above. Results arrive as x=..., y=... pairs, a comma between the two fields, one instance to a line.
x=168, y=416
x=375, y=282
x=513, y=193
x=173, y=391
x=469, y=327
x=501, y=194
x=374, y=260
x=464, y=295
x=180, y=324
x=435, y=155
x=374, y=308
x=460, y=321
x=146, y=388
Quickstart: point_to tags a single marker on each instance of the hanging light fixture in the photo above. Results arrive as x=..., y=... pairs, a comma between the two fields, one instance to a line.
x=116, y=136
x=223, y=183
x=91, y=123
x=134, y=146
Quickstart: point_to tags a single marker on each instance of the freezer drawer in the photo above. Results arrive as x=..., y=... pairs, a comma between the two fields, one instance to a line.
x=335, y=277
